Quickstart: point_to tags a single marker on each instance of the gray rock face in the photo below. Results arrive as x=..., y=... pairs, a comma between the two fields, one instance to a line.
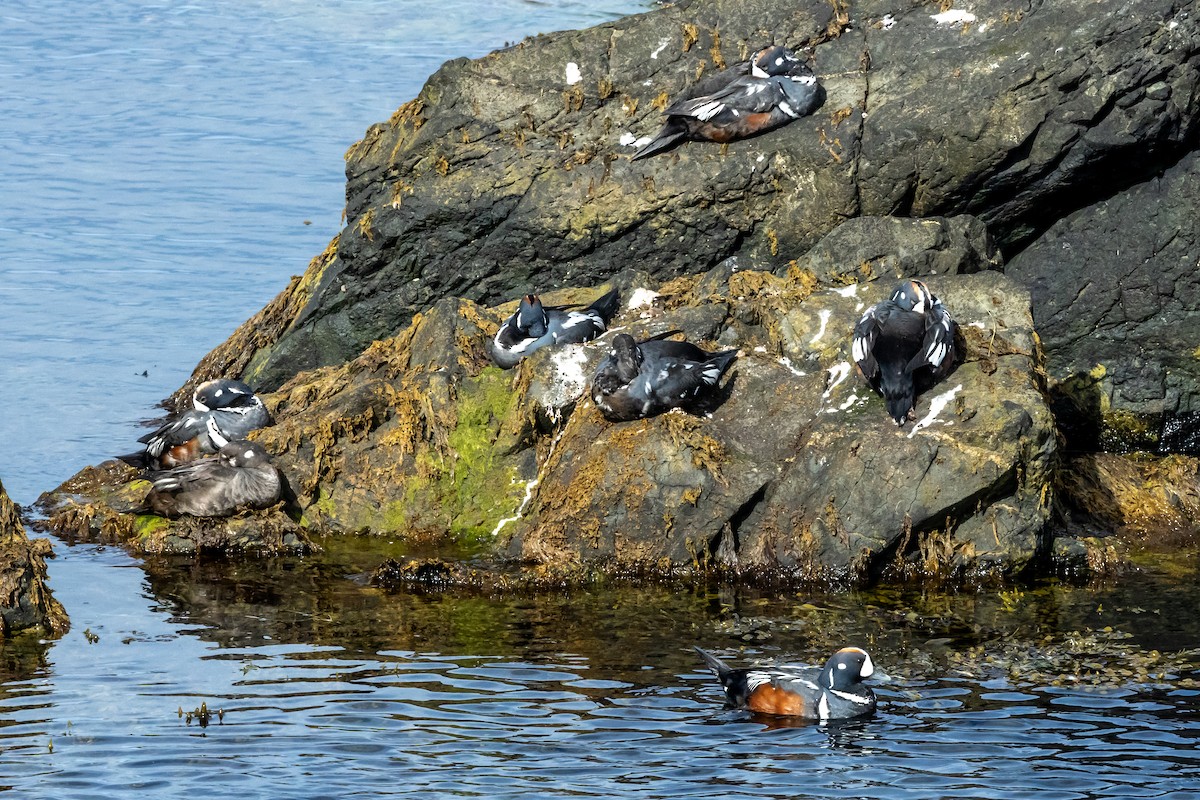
x=510, y=173
x=1115, y=288
x=801, y=472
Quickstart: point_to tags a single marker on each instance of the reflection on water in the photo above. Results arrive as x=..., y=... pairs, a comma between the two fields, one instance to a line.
x=328, y=687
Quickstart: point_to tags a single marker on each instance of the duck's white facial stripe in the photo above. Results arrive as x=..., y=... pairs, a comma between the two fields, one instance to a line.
x=868, y=667
x=853, y=698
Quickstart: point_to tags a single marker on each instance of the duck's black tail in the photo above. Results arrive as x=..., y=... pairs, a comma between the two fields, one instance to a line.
x=896, y=384
x=607, y=306
x=719, y=667
x=717, y=364
x=671, y=134
x=140, y=460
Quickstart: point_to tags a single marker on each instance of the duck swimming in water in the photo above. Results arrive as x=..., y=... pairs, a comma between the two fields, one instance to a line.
x=835, y=691
x=903, y=345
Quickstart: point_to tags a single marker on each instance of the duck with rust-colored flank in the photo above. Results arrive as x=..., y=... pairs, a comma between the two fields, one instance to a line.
x=642, y=379
x=776, y=88
x=836, y=691
x=241, y=475
x=904, y=345
x=223, y=410
x=535, y=326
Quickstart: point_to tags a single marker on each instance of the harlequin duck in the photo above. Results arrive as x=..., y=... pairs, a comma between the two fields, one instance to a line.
x=904, y=345
x=221, y=393
x=222, y=410
x=834, y=692
x=240, y=475
x=642, y=379
x=778, y=89
x=535, y=326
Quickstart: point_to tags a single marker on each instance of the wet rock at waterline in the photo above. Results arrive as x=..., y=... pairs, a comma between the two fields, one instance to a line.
x=25, y=600
x=1124, y=509
x=103, y=504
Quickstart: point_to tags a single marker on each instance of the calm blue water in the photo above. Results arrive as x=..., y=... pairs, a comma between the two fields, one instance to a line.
x=165, y=169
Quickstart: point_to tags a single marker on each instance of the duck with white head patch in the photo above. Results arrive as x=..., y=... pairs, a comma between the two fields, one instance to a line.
x=642, y=379
x=904, y=345
x=241, y=475
x=835, y=691
x=774, y=88
x=222, y=410
x=534, y=326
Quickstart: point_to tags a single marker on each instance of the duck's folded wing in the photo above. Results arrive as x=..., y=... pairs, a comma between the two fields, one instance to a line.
x=677, y=381
x=746, y=95
x=190, y=474
x=184, y=429
x=937, y=348
x=863, y=344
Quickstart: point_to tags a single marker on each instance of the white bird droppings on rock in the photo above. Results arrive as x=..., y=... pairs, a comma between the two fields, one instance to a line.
x=824, y=314
x=568, y=381
x=935, y=407
x=953, y=17
x=641, y=298
x=837, y=373
x=787, y=363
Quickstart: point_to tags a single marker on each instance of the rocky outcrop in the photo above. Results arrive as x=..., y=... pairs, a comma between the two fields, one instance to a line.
x=800, y=472
x=511, y=172
x=1116, y=287
x=25, y=600
x=797, y=472
x=946, y=138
